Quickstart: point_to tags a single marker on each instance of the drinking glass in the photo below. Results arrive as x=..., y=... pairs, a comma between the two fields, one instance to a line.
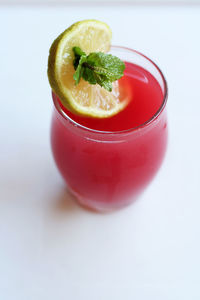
x=108, y=170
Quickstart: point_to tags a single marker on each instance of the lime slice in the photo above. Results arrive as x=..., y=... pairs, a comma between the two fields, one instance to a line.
x=84, y=99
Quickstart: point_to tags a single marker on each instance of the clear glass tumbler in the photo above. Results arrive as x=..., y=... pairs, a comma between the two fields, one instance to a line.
x=109, y=170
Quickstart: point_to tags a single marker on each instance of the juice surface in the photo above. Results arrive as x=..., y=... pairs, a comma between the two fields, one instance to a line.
x=145, y=100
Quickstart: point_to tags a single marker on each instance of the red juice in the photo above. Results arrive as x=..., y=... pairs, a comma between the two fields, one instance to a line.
x=108, y=162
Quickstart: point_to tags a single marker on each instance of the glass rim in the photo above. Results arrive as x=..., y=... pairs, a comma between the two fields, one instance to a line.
x=132, y=129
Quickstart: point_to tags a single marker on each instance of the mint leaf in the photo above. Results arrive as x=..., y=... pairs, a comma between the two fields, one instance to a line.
x=103, y=81
x=97, y=68
x=78, y=51
x=88, y=75
x=106, y=84
x=79, y=70
x=77, y=55
x=106, y=64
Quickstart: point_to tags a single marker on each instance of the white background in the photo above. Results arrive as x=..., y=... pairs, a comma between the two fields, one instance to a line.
x=56, y=2
x=50, y=248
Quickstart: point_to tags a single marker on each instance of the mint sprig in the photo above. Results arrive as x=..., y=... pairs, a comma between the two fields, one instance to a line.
x=97, y=68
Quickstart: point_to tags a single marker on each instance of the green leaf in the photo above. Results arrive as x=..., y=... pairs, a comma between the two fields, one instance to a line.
x=77, y=55
x=107, y=85
x=106, y=64
x=97, y=68
x=104, y=82
x=79, y=70
x=88, y=75
x=78, y=51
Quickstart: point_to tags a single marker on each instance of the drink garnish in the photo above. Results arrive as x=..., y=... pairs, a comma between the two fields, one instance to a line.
x=97, y=68
x=82, y=75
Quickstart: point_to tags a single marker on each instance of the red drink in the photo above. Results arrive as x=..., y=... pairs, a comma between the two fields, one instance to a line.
x=107, y=163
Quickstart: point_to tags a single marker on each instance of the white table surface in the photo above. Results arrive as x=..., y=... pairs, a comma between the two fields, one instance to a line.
x=50, y=248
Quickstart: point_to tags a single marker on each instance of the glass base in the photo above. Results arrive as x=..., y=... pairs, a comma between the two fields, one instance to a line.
x=100, y=207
